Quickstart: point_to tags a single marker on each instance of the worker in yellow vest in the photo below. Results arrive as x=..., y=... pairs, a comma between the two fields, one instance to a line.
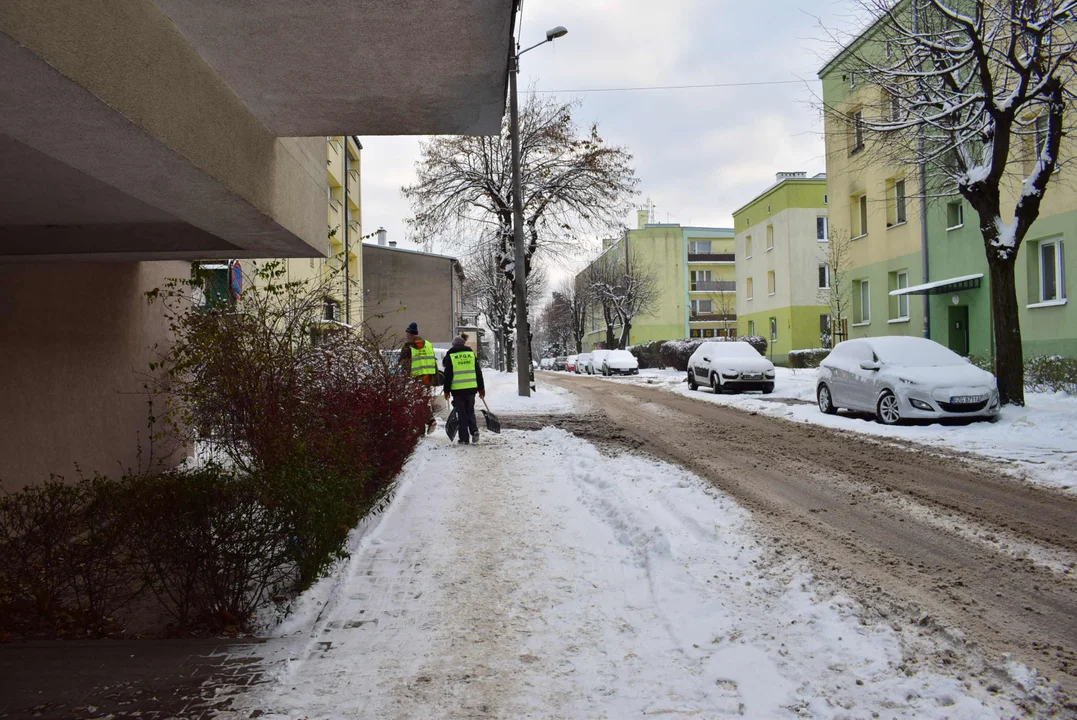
x=463, y=380
x=417, y=359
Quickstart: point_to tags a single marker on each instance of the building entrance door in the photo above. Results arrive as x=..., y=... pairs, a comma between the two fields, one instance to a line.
x=959, y=329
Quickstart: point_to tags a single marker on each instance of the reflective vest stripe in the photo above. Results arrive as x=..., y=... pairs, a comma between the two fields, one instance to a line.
x=464, y=376
x=423, y=361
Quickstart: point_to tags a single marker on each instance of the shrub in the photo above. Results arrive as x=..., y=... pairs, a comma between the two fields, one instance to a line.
x=676, y=353
x=757, y=341
x=1051, y=373
x=649, y=355
x=807, y=358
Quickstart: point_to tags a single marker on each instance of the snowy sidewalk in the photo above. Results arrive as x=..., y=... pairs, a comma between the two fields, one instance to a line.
x=533, y=576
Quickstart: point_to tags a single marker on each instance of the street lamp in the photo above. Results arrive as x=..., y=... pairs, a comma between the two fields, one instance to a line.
x=523, y=343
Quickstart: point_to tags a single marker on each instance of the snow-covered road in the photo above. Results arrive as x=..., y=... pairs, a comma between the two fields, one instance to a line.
x=536, y=576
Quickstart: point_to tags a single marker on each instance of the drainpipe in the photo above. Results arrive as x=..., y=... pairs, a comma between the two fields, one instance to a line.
x=922, y=171
x=347, y=259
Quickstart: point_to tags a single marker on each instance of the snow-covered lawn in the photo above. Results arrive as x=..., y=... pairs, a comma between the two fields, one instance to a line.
x=533, y=576
x=1037, y=442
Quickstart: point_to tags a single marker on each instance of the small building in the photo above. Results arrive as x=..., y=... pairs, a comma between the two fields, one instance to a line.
x=408, y=286
x=782, y=276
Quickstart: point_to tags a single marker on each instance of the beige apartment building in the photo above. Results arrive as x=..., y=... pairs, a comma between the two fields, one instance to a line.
x=139, y=135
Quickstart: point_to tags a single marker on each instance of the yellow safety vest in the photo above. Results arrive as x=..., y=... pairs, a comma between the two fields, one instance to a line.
x=463, y=370
x=423, y=361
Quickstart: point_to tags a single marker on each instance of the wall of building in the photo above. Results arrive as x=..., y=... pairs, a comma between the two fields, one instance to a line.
x=74, y=339
x=401, y=287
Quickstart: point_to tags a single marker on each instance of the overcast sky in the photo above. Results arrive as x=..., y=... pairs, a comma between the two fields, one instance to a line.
x=700, y=153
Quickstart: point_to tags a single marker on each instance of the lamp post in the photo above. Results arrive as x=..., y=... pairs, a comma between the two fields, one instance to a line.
x=523, y=342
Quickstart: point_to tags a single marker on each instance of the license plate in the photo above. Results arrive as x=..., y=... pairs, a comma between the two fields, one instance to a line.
x=751, y=376
x=966, y=399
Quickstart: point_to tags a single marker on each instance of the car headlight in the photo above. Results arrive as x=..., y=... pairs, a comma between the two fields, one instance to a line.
x=730, y=374
x=770, y=373
x=921, y=405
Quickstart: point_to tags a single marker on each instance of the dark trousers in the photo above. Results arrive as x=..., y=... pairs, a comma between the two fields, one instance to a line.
x=464, y=402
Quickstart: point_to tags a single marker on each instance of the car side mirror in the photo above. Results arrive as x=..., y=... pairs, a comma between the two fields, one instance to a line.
x=869, y=366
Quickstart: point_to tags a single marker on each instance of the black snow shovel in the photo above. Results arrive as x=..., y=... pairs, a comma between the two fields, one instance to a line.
x=492, y=423
x=451, y=425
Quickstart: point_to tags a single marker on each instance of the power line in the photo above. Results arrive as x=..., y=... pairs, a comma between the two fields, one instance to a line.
x=671, y=87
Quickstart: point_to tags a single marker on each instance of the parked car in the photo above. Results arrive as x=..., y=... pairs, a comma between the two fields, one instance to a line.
x=905, y=378
x=559, y=363
x=546, y=364
x=583, y=364
x=570, y=363
x=597, y=357
x=730, y=367
x=620, y=362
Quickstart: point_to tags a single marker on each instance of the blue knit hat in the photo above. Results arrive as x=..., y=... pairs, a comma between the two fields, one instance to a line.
x=413, y=329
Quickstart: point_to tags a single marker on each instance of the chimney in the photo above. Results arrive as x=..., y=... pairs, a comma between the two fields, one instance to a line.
x=778, y=177
x=392, y=243
x=381, y=236
x=643, y=216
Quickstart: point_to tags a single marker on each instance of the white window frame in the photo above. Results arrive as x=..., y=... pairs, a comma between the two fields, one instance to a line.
x=1060, y=276
x=695, y=244
x=749, y=288
x=770, y=238
x=772, y=283
x=774, y=329
x=747, y=246
x=960, y=215
x=858, y=131
x=826, y=228
x=864, y=288
x=751, y=327
x=1039, y=130
x=901, y=207
x=898, y=277
x=861, y=215
x=826, y=276
x=695, y=305
x=852, y=79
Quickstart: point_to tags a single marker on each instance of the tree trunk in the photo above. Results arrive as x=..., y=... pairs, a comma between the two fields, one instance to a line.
x=1009, y=358
x=626, y=335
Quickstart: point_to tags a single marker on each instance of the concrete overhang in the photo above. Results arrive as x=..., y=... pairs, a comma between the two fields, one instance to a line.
x=137, y=130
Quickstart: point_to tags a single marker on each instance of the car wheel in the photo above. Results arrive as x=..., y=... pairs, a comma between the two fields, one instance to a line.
x=716, y=384
x=692, y=385
x=826, y=403
x=768, y=388
x=887, y=411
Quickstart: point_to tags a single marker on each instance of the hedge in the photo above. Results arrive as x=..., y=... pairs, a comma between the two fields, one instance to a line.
x=676, y=353
x=807, y=358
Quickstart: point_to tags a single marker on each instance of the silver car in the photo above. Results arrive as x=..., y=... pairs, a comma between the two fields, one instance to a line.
x=904, y=378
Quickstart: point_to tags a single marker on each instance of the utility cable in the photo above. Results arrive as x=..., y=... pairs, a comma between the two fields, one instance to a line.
x=672, y=87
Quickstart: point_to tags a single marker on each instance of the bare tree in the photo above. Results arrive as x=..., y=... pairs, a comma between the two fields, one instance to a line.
x=555, y=326
x=838, y=293
x=626, y=287
x=574, y=185
x=975, y=93
x=725, y=304
x=577, y=308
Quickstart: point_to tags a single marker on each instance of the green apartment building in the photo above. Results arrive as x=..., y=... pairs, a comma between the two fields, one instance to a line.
x=781, y=272
x=921, y=268
x=695, y=267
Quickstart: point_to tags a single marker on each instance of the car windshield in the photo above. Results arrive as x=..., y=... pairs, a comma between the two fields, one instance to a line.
x=914, y=352
x=620, y=355
x=734, y=350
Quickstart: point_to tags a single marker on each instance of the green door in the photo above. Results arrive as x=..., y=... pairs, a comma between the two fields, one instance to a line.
x=959, y=329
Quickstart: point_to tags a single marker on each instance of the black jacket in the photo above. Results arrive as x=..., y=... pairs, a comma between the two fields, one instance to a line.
x=447, y=364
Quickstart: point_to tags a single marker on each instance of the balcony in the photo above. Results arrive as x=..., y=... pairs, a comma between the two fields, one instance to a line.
x=712, y=317
x=714, y=286
x=711, y=257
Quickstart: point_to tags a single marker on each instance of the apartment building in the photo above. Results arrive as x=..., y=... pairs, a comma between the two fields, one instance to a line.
x=782, y=277
x=139, y=136
x=694, y=270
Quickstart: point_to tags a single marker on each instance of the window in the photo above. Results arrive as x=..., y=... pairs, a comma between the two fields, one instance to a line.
x=701, y=276
x=858, y=130
x=751, y=327
x=1040, y=127
x=889, y=50
x=699, y=247
x=1052, y=271
x=900, y=214
x=826, y=198
x=895, y=108
x=770, y=237
x=820, y=228
x=955, y=215
x=773, y=329
x=695, y=332
x=770, y=282
x=899, y=305
x=862, y=303
x=331, y=309
x=749, y=288
x=748, y=246
x=852, y=80
x=824, y=326
x=824, y=277
x=859, y=207
x=708, y=332
x=702, y=307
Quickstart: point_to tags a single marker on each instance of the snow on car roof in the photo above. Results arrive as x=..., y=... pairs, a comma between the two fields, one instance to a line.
x=913, y=351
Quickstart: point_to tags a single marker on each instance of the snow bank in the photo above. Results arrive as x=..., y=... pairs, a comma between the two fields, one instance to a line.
x=503, y=397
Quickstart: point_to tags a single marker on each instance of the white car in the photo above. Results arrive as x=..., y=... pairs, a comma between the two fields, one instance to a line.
x=597, y=356
x=730, y=367
x=620, y=362
x=583, y=364
x=904, y=378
